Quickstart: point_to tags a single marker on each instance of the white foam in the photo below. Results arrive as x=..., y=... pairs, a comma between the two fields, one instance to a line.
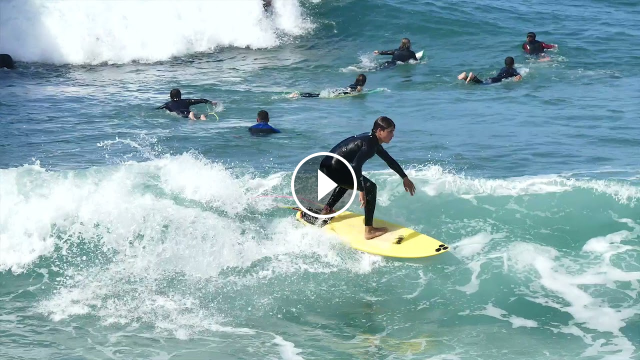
x=472, y=245
x=498, y=313
x=91, y=32
x=567, y=285
x=474, y=284
x=606, y=244
x=112, y=205
x=288, y=350
x=117, y=232
x=609, y=244
x=521, y=322
x=211, y=184
x=367, y=63
x=434, y=180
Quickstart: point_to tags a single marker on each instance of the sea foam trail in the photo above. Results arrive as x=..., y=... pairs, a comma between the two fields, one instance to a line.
x=112, y=210
x=38, y=206
x=434, y=180
x=93, y=32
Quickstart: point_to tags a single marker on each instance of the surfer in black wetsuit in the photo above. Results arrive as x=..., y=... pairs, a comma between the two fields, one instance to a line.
x=182, y=106
x=357, y=86
x=506, y=72
x=402, y=54
x=357, y=150
x=537, y=48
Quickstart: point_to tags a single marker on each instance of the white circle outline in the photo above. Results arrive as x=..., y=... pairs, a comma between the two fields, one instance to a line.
x=353, y=174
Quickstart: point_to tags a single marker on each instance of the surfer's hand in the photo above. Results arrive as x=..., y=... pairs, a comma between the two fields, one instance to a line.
x=408, y=186
x=213, y=102
x=363, y=200
x=376, y=52
x=518, y=78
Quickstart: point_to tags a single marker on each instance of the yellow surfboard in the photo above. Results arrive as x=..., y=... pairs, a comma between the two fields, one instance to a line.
x=399, y=242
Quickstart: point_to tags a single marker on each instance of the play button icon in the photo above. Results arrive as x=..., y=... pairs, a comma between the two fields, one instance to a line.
x=309, y=182
x=324, y=185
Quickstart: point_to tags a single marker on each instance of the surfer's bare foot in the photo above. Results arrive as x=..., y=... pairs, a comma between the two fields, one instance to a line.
x=202, y=117
x=471, y=76
x=293, y=95
x=462, y=76
x=192, y=116
x=371, y=232
x=326, y=211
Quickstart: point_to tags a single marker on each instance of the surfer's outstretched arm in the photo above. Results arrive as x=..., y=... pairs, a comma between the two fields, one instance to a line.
x=391, y=162
x=384, y=52
x=393, y=165
x=197, y=101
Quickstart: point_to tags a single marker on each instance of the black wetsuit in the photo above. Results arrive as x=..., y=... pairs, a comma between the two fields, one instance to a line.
x=6, y=61
x=505, y=73
x=402, y=55
x=356, y=150
x=535, y=47
x=181, y=107
x=352, y=88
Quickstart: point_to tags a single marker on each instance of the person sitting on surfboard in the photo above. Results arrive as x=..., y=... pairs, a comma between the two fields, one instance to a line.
x=402, y=54
x=506, y=72
x=355, y=87
x=182, y=106
x=357, y=150
x=535, y=47
x=262, y=127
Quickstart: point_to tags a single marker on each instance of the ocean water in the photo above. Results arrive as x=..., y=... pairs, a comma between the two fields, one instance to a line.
x=130, y=233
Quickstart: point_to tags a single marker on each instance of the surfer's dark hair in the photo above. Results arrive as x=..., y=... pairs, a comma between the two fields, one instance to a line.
x=263, y=116
x=361, y=80
x=509, y=61
x=175, y=94
x=383, y=123
x=405, y=44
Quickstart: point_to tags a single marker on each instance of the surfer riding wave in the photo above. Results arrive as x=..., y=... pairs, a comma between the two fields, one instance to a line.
x=357, y=150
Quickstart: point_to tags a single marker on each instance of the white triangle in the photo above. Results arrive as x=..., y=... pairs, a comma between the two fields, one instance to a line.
x=325, y=185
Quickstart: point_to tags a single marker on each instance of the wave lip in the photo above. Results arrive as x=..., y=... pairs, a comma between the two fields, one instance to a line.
x=94, y=32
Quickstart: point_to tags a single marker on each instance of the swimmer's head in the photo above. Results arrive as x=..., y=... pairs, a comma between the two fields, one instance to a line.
x=531, y=36
x=509, y=62
x=361, y=80
x=263, y=116
x=175, y=94
x=405, y=44
x=383, y=129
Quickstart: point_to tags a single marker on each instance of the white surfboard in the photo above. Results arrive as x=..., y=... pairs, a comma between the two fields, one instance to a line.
x=419, y=55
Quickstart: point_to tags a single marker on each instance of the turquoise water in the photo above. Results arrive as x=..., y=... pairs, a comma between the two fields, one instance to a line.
x=126, y=232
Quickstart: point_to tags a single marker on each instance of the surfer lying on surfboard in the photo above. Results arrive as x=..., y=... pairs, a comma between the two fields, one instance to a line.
x=537, y=48
x=357, y=150
x=402, y=54
x=355, y=87
x=506, y=72
x=182, y=106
